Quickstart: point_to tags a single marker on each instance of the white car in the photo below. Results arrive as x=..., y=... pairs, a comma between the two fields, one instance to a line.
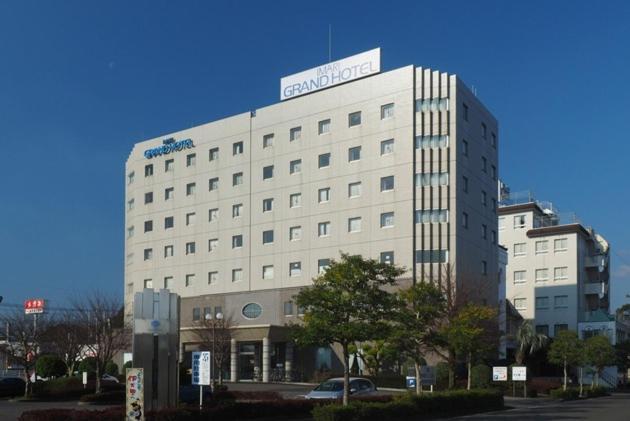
x=109, y=378
x=333, y=388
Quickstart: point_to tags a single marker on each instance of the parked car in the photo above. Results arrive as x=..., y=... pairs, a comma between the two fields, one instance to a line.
x=110, y=378
x=12, y=386
x=333, y=388
x=190, y=394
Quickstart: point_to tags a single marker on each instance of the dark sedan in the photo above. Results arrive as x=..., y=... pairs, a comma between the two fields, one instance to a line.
x=12, y=386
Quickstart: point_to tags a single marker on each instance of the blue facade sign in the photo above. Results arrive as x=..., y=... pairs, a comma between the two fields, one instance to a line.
x=169, y=145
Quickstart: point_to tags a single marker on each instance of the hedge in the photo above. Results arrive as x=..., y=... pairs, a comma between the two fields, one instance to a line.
x=566, y=395
x=439, y=404
x=109, y=414
x=110, y=397
x=68, y=388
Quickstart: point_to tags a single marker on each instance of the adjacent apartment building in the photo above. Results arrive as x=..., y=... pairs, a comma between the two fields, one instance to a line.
x=238, y=214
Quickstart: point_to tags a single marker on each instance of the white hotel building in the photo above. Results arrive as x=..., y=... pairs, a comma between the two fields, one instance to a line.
x=399, y=166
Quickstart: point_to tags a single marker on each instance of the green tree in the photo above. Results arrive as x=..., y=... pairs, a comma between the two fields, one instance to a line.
x=374, y=354
x=622, y=349
x=111, y=368
x=471, y=334
x=529, y=341
x=347, y=304
x=566, y=351
x=599, y=353
x=421, y=308
x=88, y=364
x=50, y=366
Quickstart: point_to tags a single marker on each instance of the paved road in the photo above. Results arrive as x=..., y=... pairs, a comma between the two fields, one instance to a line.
x=12, y=410
x=612, y=408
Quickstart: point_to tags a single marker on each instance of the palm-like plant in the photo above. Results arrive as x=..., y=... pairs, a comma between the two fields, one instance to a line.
x=528, y=341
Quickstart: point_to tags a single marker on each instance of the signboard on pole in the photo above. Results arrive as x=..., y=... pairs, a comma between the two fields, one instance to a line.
x=499, y=374
x=135, y=394
x=201, y=368
x=84, y=379
x=427, y=375
x=519, y=374
x=34, y=306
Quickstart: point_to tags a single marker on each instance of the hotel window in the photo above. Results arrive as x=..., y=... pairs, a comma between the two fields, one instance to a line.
x=520, y=303
x=387, y=147
x=213, y=184
x=494, y=140
x=322, y=265
x=520, y=276
x=323, y=195
x=432, y=179
x=130, y=177
x=295, y=200
x=288, y=308
x=484, y=232
x=148, y=170
x=494, y=237
x=494, y=205
x=354, y=119
x=501, y=223
x=354, y=224
x=354, y=189
x=295, y=133
x=168, y=251
x=484, y=164
x=237, y=241
x=148, y=254
x=213, y=244
x=295, y=269
x=213, y=214
x=387, y=183
x=190, y=247
x=323, y=127
x=237, y=179
x=168, y=282
x=561, y=301
x=268, y=140
x=267, y=237
x=431, y=256
x=148, y=226
x=560, y=328
x=484, y=267
x=169, y=165
x=130, y=204
x=542, y=329
x=465, y=111
x=542, y=247
x=484, y=198
x=213, y=154
x=148, y=283
x=323, y=229
x=237, y=148
x=295, y=233
x=190, y=189
x=267, y=172
x=267, y=205
x=464, y=220
x=196, y=314
x=237, y=210
x=217, y=310
x=323, y=160
x=191, y=159
x=387, y=257
x=148, y=197
x=387, y=219
x=520, y=249
x=387, y=111
x=168, y=193
x=169, y=222
x=190, y=218
x=213, y=277
x=560, y=244
x=431, y=142
x=484, y=130
x=267, y=272
x=560, y=273
x=464, y=147
x=465, y=184
x=493, y=172
x=542, y=303
x=431, y=215
x=519, y=221
x=190, y=280
x=354, y=153
x=542, y=275
x=295, y=166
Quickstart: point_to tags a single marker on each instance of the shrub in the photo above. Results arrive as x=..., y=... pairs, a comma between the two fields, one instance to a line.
x=481, y=376
x=566, y=395
x=87, y=364
x=111, y=368
x=50, y=366
x=247, y=396
x=544, y=384
x=128, y=364
x=109, y=397
x=65, y=388
x=441, y=375
x=109, y=414
x=596, y=392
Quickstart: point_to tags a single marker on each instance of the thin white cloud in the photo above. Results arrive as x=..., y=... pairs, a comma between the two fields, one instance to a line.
x=622, y=271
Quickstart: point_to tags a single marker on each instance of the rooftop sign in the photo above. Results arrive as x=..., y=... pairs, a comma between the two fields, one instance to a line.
x=331, y=74
x=168, y=145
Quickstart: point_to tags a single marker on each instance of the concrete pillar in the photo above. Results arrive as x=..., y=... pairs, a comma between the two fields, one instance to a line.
x=233, y=360
x=288, y=361
x=181, y=352
x=265, y=360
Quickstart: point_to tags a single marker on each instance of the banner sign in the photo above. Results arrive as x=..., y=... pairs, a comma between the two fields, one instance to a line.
x=427, y=375
x=519, y=374
x=499, y=374
x=331, y=74
x=201, y=368
x=135, y=394
x=35, y=306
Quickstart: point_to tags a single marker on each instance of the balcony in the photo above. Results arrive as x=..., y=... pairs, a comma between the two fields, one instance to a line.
x=595, y=288
x=598, y=261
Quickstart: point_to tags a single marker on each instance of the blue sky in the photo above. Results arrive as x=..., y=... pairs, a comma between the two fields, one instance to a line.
x=80, y=82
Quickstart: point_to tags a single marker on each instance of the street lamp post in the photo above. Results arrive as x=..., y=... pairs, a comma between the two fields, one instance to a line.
x=208, y=317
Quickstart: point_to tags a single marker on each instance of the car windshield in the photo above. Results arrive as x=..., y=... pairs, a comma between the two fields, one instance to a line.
x=330, y=387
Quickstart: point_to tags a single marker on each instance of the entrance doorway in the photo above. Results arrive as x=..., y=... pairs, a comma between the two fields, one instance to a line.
x=249, y=361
